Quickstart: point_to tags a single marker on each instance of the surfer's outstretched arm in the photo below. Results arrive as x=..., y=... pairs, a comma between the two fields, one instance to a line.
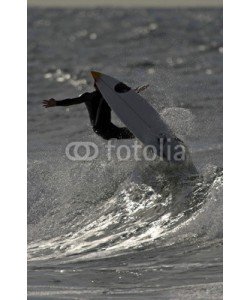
x=67, y=102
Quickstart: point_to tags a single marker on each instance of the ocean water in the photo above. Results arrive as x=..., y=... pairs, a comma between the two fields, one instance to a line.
x=109, y=229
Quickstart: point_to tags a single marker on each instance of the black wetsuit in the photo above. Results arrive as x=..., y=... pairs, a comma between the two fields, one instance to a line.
x=100, y=115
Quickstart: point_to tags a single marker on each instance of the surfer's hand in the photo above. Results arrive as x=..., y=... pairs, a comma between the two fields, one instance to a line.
x=49, y=103
x=141, y=88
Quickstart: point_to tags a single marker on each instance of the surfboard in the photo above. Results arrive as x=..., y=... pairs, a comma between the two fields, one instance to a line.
x=141, y=118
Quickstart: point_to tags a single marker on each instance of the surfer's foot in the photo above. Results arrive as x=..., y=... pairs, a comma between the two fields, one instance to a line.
x=125, y=133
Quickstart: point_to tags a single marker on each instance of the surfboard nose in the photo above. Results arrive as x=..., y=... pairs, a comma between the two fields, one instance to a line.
x=96, y=75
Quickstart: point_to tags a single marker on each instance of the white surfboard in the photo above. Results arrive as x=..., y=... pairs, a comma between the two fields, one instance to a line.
x=140, y=117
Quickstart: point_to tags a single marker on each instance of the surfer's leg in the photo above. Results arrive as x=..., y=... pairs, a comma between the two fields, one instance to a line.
x=125, y=133
x=105, y=128
x=110, y=131
x=103, y=114
x=118, y=132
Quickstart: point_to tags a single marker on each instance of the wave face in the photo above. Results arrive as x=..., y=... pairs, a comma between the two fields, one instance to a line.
x=82, y=213
x=142, y=223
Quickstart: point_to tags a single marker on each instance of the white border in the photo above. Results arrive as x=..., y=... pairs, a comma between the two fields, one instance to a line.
x=13, y=149
x=236, y=143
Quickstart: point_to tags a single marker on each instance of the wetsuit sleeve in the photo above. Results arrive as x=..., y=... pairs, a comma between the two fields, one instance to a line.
x=72, y=101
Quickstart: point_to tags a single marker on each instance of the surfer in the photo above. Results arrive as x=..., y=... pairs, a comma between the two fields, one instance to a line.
x=99, y=113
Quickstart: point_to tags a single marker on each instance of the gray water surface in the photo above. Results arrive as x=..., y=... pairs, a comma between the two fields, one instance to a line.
x=108, y=229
